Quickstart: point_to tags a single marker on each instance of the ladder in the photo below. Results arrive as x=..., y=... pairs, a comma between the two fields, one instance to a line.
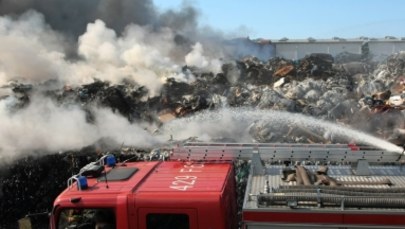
x=276, y=152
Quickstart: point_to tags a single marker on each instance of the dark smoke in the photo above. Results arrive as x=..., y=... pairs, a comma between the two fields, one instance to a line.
x=186, y=19
x=119, y=13
x=72, y=16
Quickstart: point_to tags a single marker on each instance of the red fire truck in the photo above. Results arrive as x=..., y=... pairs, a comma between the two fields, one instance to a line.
x=285, y=186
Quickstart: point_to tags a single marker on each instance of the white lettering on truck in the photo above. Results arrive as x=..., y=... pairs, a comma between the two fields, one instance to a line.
x=186, y=181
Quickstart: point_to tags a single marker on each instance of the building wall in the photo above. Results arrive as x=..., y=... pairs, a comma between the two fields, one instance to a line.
x=381, y=50
x=299, y=50
x=352, y=47
x=239, y=48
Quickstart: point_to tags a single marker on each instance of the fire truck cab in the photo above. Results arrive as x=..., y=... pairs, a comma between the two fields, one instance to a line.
x=148, y=195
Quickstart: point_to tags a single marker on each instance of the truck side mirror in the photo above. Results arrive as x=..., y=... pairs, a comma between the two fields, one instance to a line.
x=33, y=221
x=25, y=223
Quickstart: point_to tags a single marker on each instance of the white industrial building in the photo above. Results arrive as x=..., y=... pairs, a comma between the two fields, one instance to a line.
x=295, y=49
x=299, y=48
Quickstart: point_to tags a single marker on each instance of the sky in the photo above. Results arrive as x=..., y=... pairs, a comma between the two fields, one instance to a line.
x=299, y=19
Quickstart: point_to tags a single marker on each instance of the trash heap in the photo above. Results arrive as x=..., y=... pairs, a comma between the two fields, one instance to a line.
x=349, y=89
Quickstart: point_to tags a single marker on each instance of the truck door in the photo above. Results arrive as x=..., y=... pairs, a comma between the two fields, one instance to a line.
x=150, y=218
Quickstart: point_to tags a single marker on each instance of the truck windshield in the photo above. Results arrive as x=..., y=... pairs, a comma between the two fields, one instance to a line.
x=167, y=221
x=87, y=218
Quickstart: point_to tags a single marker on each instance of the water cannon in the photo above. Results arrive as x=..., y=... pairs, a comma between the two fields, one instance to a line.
x=93, y=169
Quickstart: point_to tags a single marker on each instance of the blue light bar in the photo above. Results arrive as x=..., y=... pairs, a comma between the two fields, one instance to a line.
x=110, y=161
x=82, y=182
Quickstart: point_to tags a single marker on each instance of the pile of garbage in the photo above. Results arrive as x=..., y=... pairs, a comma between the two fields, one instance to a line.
x=348, y=89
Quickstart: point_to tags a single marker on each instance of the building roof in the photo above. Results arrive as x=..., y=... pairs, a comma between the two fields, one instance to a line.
x=336, y=40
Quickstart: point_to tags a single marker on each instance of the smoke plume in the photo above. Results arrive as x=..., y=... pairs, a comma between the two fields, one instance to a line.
x=71, y=17
x=70, y=43
x=48, y=127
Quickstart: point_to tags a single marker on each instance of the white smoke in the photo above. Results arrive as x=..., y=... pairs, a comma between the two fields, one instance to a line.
x=139, y=55
x=30, y=51
x=99, y=44
x=196, y=58
x=33, y=53
x=45, y=126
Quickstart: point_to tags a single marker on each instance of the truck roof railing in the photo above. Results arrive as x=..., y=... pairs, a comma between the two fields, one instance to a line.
x=275, y=152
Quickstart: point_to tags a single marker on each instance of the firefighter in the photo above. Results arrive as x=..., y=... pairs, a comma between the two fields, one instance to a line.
x=104, y=219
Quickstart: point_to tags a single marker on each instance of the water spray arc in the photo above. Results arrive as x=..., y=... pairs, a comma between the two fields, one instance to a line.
x=234, y=123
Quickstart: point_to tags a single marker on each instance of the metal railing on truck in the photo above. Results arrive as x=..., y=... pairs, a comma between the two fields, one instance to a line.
x=274, y=152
